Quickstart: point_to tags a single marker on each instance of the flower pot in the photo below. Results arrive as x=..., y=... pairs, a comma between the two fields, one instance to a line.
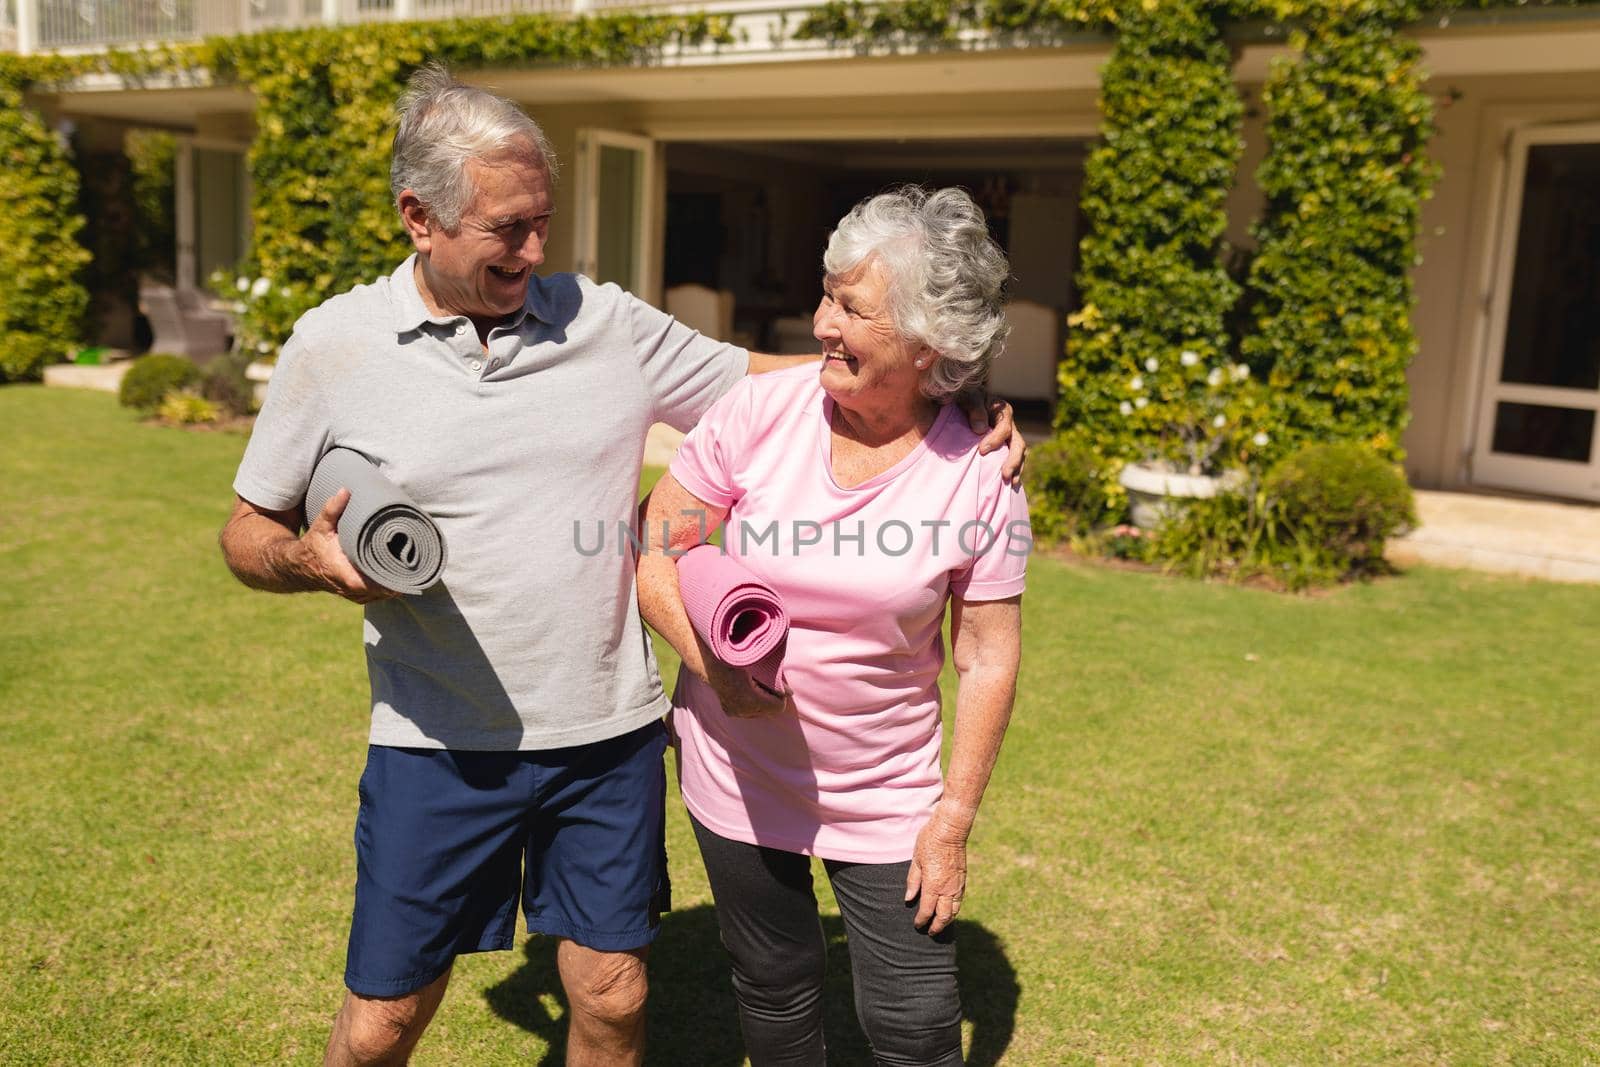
x=259, y=373
x=1156, y=492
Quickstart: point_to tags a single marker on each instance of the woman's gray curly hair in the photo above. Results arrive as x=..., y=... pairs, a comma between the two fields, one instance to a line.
x=443, y=124
x=945, y=273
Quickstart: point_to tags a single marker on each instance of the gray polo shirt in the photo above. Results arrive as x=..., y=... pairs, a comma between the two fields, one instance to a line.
x=526, y=455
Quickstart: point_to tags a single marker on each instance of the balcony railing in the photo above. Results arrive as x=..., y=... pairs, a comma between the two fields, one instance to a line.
x=84, y=25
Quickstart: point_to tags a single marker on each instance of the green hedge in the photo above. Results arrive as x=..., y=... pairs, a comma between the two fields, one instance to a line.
x=1155, y=296
x=43, y=300
x=1345, y=176
x=152, y=377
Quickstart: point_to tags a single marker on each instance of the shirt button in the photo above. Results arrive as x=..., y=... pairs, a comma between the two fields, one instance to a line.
x=476, y=364
x=461, y=328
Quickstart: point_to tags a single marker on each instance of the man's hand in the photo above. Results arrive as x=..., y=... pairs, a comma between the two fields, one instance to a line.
x=991, y=417
x=938, y=875
x=324, y=561
x=740, y=696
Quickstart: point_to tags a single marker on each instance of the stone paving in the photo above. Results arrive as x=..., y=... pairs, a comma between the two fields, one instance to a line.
x=1506, y=535
x=105, y=377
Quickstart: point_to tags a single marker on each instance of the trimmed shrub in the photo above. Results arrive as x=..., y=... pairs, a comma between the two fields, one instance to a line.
x=222, y=381
x=152, y=377
x=24, y=355
x=1067, y=490
x=1340, y=501
x=185, y=407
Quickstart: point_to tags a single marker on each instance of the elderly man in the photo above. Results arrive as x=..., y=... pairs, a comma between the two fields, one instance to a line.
x=516, y=742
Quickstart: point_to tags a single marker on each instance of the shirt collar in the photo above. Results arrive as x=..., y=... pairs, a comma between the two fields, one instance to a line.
x=408, y=311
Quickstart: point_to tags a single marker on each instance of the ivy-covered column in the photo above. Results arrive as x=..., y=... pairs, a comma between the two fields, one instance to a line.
x=1345, y=177
x=1155, y=295
x=43, y=300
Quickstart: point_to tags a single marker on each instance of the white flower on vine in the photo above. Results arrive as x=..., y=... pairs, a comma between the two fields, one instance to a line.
x=283, y=292
x=1220, y=421
x=1152, y=364
x=1125, y=407
x=1241, y=371
x=1140, y=401
x=243, y=285
x=1214, y=379
x=1188, y=359
x=263, y=347
x=1260, y=440
x=1136, y=383
x=261, y=288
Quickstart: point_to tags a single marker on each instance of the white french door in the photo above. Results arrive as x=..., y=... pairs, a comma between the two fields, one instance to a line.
x=617, y=193
x=1538, y=425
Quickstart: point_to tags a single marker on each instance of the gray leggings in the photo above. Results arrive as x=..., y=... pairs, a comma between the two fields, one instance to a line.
x=905, y=980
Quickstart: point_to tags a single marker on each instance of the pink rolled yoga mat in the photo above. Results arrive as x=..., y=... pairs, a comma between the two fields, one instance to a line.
x=739, y=617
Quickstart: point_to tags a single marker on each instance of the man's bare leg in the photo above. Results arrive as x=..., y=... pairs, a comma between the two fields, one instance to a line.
x=382, y=1031
x=605, y=995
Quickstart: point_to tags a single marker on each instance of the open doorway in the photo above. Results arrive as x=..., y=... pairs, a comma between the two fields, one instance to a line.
x=747, y=222
x=1539, y=420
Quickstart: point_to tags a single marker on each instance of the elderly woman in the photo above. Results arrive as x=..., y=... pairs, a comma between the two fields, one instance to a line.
x=859, y=495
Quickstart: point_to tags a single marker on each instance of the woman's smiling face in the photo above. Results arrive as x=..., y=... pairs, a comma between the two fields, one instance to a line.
x=866, y=361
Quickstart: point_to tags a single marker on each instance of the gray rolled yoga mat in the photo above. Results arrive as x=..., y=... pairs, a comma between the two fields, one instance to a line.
x=389, y=539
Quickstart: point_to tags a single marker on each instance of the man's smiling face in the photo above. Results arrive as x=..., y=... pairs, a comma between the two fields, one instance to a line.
x=482, y=269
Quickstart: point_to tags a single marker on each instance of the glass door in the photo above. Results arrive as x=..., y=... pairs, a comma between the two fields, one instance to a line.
x=1539, y=425
x=616, y=209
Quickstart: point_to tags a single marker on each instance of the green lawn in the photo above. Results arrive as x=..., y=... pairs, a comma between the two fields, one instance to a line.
x=1228, y=826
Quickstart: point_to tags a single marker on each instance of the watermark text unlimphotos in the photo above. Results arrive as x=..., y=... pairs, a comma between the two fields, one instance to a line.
x=893, y=537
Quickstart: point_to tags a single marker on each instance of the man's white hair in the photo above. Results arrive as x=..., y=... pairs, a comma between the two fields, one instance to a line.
x=946, y=277
x=443, y=124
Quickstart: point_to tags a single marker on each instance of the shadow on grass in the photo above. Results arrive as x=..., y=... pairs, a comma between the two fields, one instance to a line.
x=692, y=1018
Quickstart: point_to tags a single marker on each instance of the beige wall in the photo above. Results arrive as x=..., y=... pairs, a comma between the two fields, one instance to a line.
x=1459, y=227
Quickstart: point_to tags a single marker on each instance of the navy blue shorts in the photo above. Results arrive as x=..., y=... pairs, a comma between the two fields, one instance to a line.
x=446, y=842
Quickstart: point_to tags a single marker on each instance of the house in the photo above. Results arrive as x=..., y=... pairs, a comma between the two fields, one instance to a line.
x=723, y=166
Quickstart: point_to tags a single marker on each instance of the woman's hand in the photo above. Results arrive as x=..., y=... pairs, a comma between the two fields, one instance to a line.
x=938, y=873
x=740, y=696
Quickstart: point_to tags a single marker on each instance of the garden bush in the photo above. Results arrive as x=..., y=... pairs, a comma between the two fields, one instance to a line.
x=1320, y=516
x=185, y=407
x=43, y=300
x=24, y=355
x=1068, y=490
x=1340, y=501
x=152, y=377
x=1220, y=537
x=223, y=383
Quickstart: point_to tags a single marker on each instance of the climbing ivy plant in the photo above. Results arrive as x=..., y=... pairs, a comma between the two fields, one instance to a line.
x=1147, y=371
x=1345, y=177
x=43, y=300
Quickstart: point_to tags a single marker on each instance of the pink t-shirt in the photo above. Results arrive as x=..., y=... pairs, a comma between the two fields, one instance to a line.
x=864, y=573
